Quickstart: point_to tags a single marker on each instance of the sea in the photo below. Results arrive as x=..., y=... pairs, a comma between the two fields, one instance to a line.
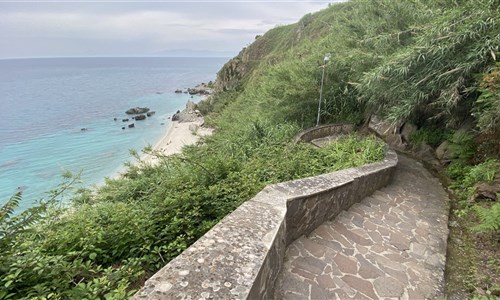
x=66, y=114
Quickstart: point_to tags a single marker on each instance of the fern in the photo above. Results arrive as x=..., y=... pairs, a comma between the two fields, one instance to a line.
x=12, y=225
x=490, y=218
x=8, y=208
x=462, y=144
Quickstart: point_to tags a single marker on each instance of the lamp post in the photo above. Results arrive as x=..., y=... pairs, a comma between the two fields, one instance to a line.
x=325, y=60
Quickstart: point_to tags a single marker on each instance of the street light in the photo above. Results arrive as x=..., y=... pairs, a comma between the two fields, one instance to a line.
x=325, y=60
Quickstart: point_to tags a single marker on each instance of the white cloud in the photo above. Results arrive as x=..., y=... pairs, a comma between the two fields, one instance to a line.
x=156, y=26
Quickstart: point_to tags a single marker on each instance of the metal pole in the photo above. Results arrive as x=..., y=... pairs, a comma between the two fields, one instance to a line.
x=320, y=95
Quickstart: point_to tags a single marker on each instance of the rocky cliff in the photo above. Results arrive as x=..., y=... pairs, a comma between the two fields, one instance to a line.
x=268, y=48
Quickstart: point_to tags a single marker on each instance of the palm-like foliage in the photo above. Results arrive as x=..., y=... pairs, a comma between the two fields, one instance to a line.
x=434, y=75
x=11, y=224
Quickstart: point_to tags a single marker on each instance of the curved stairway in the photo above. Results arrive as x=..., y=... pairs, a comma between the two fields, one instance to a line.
x=391, y=245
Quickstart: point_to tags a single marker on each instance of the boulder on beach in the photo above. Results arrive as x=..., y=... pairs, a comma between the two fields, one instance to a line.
x=190, y=106
x=140, y=117
x=189, y=114
x=200, y=89
x=193, y=128
x=137, y=110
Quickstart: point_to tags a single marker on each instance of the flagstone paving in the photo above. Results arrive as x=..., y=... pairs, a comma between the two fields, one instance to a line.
x=391, y=245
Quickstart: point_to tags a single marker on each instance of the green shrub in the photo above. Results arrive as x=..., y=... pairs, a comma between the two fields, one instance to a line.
x=487, y=106
x=462, y=145
x=401, y=59
x=130, y=227
x=431, y=136
x=465, y=176
x=489, y=218
x=485, y=171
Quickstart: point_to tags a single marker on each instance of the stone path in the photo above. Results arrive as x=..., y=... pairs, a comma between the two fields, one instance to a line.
x=391, y=245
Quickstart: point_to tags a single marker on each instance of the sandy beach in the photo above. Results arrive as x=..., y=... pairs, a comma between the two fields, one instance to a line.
x=187, y=129
x=178, y=135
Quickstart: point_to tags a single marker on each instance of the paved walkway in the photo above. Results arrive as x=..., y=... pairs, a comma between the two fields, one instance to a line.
x=392, y=245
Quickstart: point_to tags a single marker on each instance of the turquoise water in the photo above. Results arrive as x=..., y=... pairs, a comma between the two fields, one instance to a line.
x=45, y=103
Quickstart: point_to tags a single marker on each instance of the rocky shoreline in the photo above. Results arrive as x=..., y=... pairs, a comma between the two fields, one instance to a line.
x=202, y=89
x=186, y=128
x=189, y=114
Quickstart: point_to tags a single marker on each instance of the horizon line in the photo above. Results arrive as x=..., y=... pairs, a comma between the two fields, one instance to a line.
x=132, y=56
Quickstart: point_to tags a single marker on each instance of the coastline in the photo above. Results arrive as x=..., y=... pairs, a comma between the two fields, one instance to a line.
x=37, y=148
x=185, y=130
x=178, y=135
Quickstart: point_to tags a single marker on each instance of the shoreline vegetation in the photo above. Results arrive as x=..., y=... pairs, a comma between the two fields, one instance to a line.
x=186, y=130
x=177, y=135
x=429, y=69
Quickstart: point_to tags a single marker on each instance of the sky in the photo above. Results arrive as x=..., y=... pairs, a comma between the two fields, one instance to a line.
x=140, y=28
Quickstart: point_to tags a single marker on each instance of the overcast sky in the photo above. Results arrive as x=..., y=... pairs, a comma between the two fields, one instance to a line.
x=139, y=28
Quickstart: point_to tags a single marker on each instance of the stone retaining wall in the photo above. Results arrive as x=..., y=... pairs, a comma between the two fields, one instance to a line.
x=241, y=257
x=322, y=131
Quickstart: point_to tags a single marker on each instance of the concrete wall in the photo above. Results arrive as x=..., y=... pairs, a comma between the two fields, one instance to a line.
x=241, y=257
x=322, y=131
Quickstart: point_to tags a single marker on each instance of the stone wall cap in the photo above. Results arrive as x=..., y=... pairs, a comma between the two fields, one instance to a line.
x=223, y=261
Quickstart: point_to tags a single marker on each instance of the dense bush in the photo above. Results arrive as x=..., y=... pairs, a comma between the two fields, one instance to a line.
x=465, y=176
x=487, y=106
x=111, y=239
x=431, y=62
x=430, y=136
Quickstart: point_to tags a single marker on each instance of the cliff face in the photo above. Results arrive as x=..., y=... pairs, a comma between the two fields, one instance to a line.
x=270, y=47
x=265, y=49
x=230, y=75
x=239, y=68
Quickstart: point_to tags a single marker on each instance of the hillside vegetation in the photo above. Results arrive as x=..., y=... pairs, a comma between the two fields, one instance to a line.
x=427, y=62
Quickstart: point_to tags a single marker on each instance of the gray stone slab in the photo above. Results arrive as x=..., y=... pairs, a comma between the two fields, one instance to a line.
x=226, y=261
x=397, y=238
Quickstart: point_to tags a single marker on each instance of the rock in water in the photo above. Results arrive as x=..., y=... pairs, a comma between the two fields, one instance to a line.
x=140, y=117
x=200, y=89
x=131, y=125
x=150, y=113
x=137, y=110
